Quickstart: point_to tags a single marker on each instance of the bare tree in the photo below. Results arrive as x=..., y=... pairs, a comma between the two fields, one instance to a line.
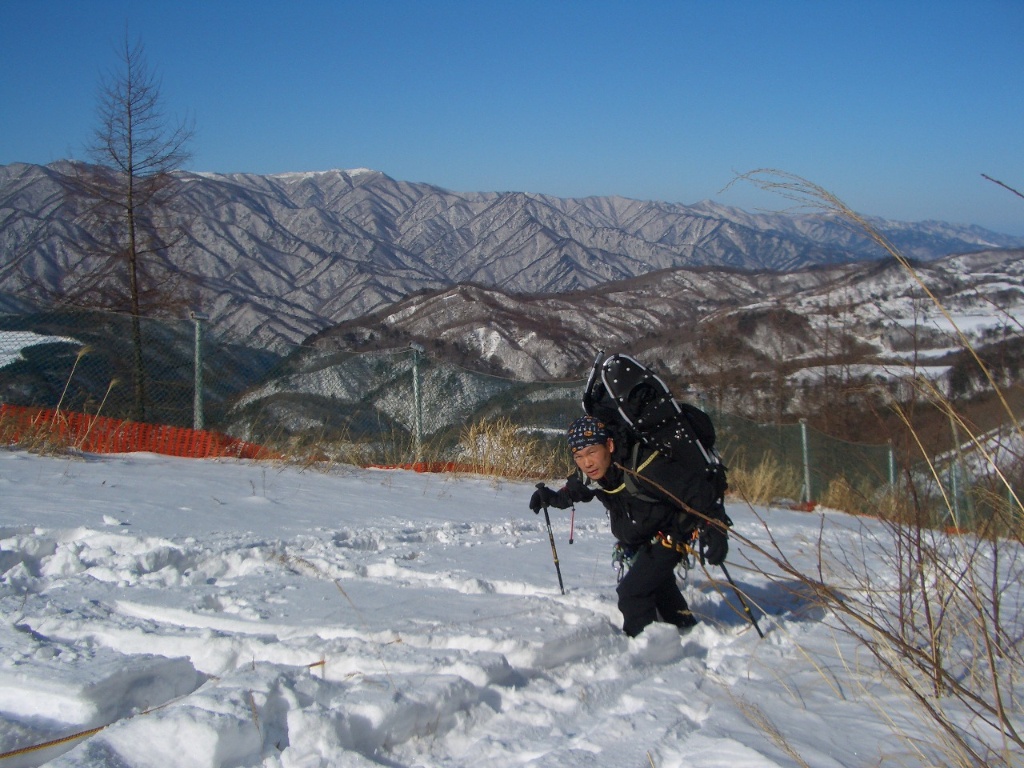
x=128, y=197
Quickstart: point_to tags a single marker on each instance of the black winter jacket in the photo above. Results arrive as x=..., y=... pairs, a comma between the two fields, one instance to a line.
x=635, y=520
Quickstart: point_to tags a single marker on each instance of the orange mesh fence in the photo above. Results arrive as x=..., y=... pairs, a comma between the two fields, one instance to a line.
x=101, y=434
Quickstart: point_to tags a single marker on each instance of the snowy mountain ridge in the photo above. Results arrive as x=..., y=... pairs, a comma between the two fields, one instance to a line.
x=878, y=308
x=278, y=258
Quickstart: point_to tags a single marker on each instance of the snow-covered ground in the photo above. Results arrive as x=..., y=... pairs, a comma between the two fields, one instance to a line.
x=13, y=344
x=220, y=613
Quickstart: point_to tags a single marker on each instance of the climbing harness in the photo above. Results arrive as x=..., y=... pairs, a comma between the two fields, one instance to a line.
x=623, y=555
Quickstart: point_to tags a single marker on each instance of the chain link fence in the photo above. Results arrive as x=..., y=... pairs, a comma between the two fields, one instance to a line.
x=399, y=403
x=83, y=360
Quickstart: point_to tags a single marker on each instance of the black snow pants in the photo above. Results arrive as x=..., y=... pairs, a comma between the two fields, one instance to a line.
x=649, y=591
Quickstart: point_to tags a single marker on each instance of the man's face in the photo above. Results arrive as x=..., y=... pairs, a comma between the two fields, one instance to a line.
x=594, y=460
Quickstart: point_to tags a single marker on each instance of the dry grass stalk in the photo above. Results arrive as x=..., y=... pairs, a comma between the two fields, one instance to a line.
x=764, y=483
x=933, y=617
x=503, y=449
x=81, y=353
x=758, y=718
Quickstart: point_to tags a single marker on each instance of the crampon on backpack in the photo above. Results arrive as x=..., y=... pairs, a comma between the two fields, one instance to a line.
x=639, y=407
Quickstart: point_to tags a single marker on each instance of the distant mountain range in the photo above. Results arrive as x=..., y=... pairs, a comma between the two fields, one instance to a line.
x=877, y=308
x=765, y=315
x=277, y=259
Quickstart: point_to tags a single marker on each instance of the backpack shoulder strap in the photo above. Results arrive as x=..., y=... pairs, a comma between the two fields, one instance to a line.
x=629, y=478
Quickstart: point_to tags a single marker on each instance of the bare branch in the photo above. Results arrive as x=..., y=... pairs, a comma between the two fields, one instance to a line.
x=1004, y=186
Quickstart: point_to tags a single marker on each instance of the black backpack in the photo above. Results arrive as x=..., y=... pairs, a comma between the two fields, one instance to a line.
x=638, y=408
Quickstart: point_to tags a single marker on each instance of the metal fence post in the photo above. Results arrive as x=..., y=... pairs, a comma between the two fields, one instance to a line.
x=197, y=398
x=892, y=466
x=954, y=474
x=416, y=399
x=807, y=461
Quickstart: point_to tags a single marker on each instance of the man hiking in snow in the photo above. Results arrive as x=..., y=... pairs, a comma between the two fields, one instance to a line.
x=649, y=526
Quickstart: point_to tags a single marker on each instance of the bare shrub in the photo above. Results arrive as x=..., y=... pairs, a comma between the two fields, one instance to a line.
x=934, y=616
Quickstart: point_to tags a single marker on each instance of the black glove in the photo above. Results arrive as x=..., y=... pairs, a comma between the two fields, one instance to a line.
x=542, y=497
x=577, y=490
x=714, y=542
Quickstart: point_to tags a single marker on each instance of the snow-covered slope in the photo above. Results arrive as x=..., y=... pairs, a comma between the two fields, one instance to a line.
x=265, y=616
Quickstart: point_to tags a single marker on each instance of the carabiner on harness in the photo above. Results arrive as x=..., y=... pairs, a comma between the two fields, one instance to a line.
x=622, y=559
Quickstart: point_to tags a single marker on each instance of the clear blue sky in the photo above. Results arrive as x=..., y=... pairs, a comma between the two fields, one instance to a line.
x=896, y=107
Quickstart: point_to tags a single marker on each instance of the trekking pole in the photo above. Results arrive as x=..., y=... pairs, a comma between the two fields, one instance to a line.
x=551, y=538
x=739, y=596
